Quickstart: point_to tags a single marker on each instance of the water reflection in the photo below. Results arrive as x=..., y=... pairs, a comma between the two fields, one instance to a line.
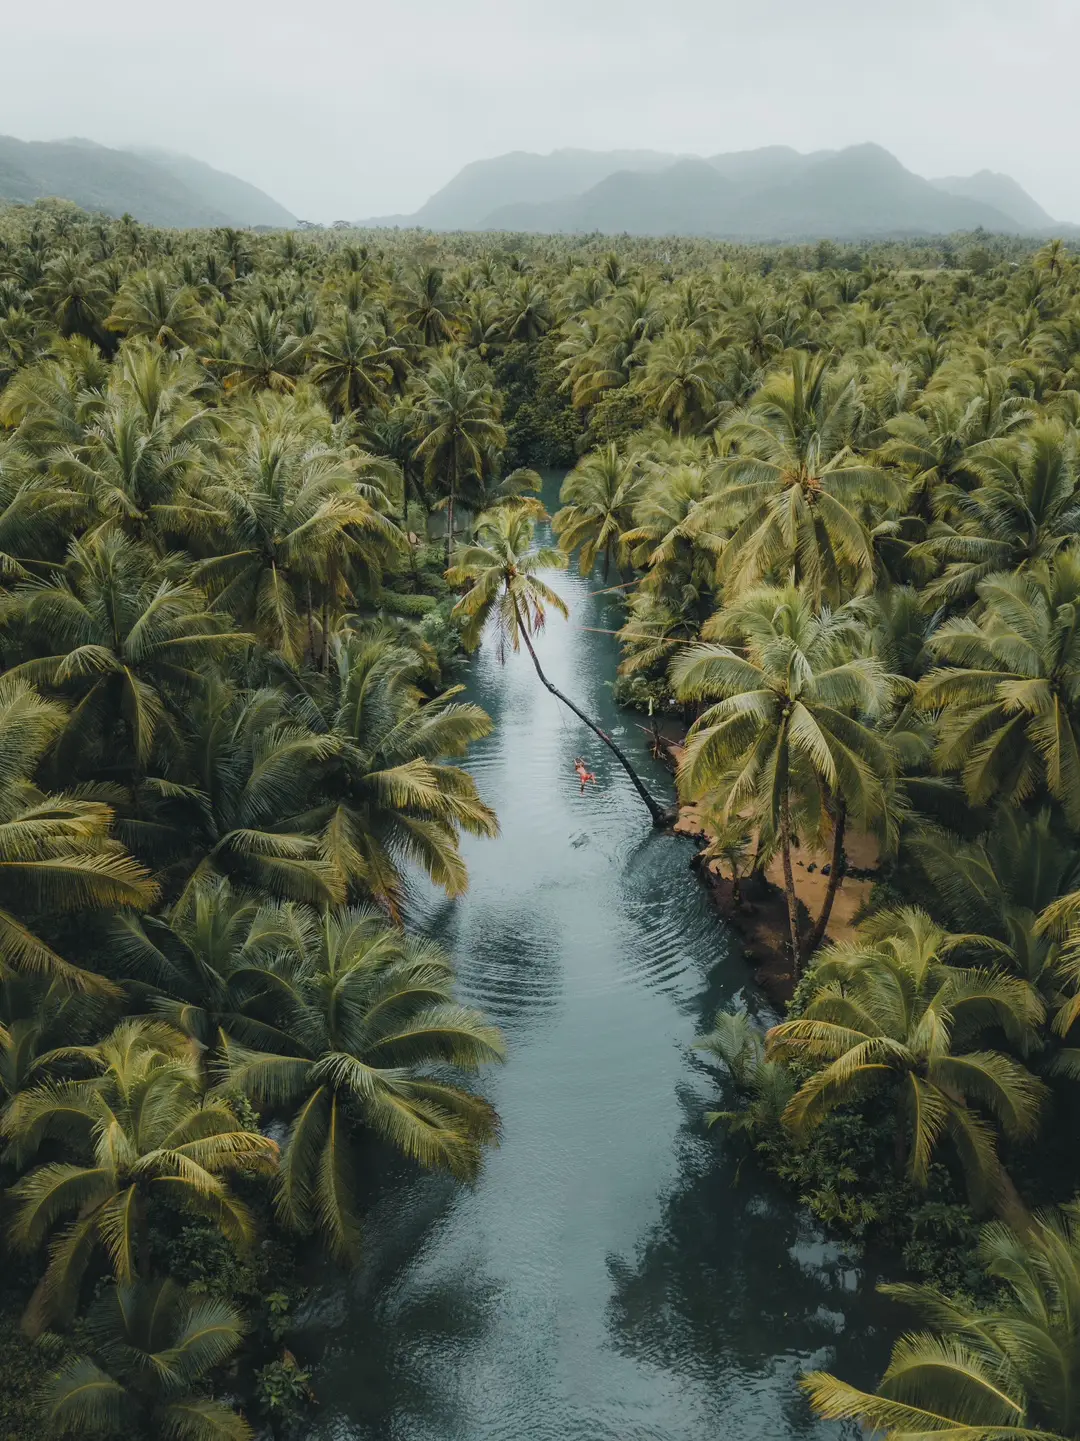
x=610, y=1275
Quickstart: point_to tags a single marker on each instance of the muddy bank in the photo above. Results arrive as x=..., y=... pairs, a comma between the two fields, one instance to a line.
x=761, y=917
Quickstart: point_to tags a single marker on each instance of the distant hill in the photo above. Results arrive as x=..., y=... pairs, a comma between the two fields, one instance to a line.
x=485, y=185
x=773, y=193
x=243, y=203
x=1003, y=193
x=157, y=188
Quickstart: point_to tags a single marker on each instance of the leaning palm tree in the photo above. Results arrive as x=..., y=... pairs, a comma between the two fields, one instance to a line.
x=152, y=1348
x=793, y=706
x=368, y=1013
x=139, y=1130
x=598, y=499
x=502, y=573
x=890, y=1010
x=1007, y=687
x=1007, y=1372
x=394, y=798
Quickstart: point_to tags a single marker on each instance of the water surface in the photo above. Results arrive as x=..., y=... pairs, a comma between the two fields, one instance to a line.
x=617, y=1272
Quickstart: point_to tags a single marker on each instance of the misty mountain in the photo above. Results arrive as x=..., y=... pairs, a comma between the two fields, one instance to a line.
x=773, y=193
x=1002, y=192
x=157, y=188
x=242, y=202
x=521, y=177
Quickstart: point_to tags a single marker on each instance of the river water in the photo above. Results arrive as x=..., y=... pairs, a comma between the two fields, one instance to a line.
x=617, y=1273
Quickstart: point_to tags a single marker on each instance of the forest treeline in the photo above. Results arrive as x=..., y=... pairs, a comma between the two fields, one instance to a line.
x=840, y=487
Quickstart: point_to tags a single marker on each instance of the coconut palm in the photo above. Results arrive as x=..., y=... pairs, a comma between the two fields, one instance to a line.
x=297, y=526
x=524, y=313
x=680, y=381
x=1007, y=1372
x=76, y=293
x=1026, y=509
x=125, y=645
x=794, y=493
x=261, y=352
x=57, y=856
x=258, y=772
x=352, y=363
x=889, y=1010
x=153, y=1347
x=598, y=499
x=427, y=307
x=368, y=1012
x=791, y=719
x=1007, y=687
x=151, y=305
x=394, y=799
x=138, y=1129
x=457, y=428
x=502, y=573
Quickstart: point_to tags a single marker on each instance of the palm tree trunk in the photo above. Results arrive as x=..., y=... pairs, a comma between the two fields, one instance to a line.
x=661, y=817
x=450, y=510
x=835, y=877
x=789, y=883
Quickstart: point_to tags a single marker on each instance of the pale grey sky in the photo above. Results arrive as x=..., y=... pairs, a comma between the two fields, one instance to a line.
x=349, y=108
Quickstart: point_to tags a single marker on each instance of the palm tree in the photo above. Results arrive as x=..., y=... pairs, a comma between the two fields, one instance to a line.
x=889, y=1009
x=1007, y=687
x=793, y=706
x=1004, y=1373
x=458, y=427
x=1026, y=509
x=501, y=571
x=251, y=815
x=57, y=856
x=200, y=968
x=149, y=304
x=427, y=306
x=76, y=294
x=680, y=381
x=394, y=800
x=262, y=352
x=139, y=1129
x=296, y=519
x=125, y=645
x=794, y=491
x=367, y=1011
x=598, y=499
x=524, y=311
x=153, y=1349
x=352, y=363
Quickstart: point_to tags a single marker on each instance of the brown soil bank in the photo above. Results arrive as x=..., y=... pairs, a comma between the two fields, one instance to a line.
x=762, y=918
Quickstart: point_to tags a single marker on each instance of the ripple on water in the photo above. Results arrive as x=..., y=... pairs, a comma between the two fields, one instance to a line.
x=612, y=1276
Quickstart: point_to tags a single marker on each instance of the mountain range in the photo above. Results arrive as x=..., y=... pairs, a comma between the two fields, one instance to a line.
x=774, y=193
x=155, y=186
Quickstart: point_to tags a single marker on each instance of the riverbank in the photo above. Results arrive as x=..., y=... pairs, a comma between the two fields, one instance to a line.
x=761, y=917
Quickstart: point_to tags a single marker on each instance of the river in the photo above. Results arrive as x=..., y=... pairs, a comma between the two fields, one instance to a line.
x=618, y=1273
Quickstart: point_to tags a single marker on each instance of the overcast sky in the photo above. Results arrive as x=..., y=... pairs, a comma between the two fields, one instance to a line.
x=352, y=108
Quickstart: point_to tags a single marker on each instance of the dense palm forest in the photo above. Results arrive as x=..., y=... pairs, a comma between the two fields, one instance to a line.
x=259, y=494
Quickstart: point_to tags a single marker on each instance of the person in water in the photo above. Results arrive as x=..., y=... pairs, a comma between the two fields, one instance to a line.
x=583, y=774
